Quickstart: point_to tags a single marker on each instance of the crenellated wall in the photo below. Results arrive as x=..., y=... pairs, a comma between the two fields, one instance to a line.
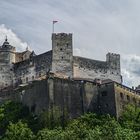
x=94, y=69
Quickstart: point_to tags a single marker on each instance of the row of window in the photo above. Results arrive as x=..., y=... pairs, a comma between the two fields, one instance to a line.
x=122, y=96
x=126, y=88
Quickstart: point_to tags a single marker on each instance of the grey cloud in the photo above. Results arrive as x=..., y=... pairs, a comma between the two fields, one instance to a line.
x=98, y=27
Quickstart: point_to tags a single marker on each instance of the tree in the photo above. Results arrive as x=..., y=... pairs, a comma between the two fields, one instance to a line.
x=131, y=117
x=18, y=131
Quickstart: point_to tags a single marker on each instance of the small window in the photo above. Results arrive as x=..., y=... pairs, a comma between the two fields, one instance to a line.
x=128, y=98
x=26, y=79
x=134, y=100
x=40, y=74
x=61, y=49
x=62, y=57
x=67, y=44
x=33, y=78
x=104, y=93
x=121, y=95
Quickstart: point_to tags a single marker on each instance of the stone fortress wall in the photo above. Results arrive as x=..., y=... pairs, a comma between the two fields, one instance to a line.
x=90, y=69
x=22, y=67
x=76, y=97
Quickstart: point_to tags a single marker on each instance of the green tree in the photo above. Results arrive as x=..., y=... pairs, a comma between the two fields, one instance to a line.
x=18, y=131
x=54, y=117
x=131, y=117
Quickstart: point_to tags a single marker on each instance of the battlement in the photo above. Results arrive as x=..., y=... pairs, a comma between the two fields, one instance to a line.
x=61, y=35
x=112, y=56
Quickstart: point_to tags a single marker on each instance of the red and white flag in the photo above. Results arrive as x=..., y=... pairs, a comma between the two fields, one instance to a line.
x=55, y=21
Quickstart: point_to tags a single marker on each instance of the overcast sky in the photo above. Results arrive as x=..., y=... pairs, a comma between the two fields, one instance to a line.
x=98, y=27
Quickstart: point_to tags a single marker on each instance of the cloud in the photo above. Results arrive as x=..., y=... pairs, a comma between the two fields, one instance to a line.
x=98, y=27
x=131, y=69
x=12, y=38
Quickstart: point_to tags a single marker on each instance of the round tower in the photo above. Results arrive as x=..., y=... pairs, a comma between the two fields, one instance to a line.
x=7, y=58
x=7, y=53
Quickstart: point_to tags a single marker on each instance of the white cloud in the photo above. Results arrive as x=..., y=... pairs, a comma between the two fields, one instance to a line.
x=13, y=39
x=131, y=69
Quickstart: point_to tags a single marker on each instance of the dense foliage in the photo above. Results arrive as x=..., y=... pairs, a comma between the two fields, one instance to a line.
x=17, y=123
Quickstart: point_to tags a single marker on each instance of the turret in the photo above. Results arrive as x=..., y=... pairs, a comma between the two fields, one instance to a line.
x=7, y=53
x=7, y=58
x=62, y=57
x=113, y=62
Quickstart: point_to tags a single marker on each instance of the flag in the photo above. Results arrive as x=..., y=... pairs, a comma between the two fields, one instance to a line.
x=55, y=21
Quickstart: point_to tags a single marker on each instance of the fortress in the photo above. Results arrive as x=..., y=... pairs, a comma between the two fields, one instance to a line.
x=57, y=78
x=20, y=68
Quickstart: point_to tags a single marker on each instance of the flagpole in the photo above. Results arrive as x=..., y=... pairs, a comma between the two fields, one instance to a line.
x=53, y=25
x=53, y=28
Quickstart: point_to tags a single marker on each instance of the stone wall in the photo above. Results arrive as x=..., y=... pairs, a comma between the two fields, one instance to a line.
x=123, y=96
x=94, y=69
x=33, y=68
x=73, y=97
x=106, y=99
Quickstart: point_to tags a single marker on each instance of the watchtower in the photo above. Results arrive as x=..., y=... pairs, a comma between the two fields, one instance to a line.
x=113, y=62
x=62, y=54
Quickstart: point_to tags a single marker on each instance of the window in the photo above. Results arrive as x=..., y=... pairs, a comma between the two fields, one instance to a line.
x=61, y=49
x=33, y=78
x=128, y=98
x=121, y=95
x=67, y=44
x=134, y=100
x=62, y=57
x=26, y=79
x=104, y=93
x=39, y=74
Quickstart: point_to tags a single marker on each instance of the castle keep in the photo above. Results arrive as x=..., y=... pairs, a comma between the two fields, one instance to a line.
x=57, y=78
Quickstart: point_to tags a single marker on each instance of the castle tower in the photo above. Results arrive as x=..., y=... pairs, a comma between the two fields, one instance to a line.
x=7, y=53
x=62, y=54
x=113, y=61
x=7, y=58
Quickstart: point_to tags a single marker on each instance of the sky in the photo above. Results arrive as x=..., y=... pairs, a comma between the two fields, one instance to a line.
x=98, y=27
